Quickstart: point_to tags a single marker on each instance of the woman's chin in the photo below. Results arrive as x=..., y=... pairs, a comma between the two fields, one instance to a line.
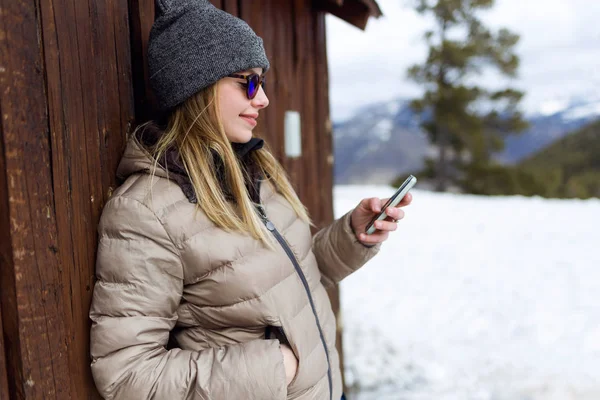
x=240, y=138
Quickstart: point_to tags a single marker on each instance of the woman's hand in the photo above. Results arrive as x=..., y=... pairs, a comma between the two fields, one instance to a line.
x=289, y=362
x=367, y=209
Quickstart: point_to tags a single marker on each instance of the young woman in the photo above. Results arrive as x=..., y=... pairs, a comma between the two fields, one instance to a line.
x=209, y=283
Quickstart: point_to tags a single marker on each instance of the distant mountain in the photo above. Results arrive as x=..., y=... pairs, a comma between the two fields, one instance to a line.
x=380, y=142
x=570, y=166
x=384, y=140
x=546, y=129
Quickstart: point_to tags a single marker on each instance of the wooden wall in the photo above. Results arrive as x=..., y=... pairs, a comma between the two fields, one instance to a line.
x=72, y=81
x=66, y=103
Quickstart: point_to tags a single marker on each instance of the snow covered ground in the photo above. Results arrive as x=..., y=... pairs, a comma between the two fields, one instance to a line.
x=476, y=298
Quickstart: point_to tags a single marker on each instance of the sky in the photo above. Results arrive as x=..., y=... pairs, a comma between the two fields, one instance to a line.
x=559, y=51
x=476, y=297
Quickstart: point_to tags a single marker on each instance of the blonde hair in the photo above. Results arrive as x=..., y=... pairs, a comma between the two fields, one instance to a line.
x=196, y=131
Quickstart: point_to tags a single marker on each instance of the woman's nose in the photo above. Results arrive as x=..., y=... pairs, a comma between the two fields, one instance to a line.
x=261, y=100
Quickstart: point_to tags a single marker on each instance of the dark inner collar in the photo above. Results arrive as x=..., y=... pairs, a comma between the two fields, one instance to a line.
x=241, y=149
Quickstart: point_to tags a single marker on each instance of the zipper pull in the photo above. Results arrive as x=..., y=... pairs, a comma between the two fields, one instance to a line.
x=263, y=215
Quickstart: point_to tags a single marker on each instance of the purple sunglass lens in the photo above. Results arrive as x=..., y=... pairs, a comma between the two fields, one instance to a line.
x=253, y=84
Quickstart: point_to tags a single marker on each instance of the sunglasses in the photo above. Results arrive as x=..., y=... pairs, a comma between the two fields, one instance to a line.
x=253, y=83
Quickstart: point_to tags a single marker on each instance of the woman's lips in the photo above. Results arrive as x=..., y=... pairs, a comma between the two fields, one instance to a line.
x=250, y=120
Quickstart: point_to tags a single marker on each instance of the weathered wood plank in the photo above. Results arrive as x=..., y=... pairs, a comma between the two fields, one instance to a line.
x=32, y=301
x=5, y=263
x=324, y=162
x=305, y=71
x=75, y=182
x=323, y=131
x=277, y=48
x=142, y=18
x=271, y=119
x=231, y=6
x=88, y=129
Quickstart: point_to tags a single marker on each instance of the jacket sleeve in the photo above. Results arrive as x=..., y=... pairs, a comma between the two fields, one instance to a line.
x=338, y=251
x=134, y=307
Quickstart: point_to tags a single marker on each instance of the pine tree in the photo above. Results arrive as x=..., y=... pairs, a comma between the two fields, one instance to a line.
x=466, y=121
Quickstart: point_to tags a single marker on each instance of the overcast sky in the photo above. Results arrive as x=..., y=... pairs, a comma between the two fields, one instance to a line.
x=559, y=50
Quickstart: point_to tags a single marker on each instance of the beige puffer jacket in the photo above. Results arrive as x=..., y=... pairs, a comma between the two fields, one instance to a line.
x=164, y=271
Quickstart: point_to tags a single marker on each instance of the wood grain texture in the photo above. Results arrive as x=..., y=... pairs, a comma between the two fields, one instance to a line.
x=90, y=104
x=67, y=104
x=231, y=6
x=33, y=307
x=141, y=16
x=323, y=138
x=6, y=266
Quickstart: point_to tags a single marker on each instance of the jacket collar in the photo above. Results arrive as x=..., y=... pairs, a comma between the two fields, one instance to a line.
x=137, y=159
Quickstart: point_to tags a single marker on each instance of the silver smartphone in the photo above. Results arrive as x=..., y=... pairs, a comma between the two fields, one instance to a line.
x=392, y=202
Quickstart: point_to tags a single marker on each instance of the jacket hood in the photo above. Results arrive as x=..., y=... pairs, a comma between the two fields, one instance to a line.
x=136, y=159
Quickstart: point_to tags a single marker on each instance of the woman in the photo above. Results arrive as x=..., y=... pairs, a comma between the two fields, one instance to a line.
x=209, y=283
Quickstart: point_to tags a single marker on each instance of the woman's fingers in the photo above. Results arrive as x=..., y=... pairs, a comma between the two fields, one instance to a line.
x=385, y=225
x=406, y=200
x=375, y=237
x=375, y=204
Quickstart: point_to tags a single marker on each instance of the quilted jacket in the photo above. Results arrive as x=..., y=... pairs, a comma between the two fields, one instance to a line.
x=182, y=309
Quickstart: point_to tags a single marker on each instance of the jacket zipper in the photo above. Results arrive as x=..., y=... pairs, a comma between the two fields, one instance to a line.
x=292, y=257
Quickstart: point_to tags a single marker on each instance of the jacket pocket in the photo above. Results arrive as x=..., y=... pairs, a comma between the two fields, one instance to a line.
x=284, y=339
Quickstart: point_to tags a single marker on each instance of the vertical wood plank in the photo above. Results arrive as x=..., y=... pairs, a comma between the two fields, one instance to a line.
x=305, y=67
x=277, y=78
x=271, y=119
x=141, y=17
x=231, y=6
x=324, y=143
x=294, y=92
x=67, y=126
x=91, y=108
x=5, y=262
x=323, y=133
x=32, y=301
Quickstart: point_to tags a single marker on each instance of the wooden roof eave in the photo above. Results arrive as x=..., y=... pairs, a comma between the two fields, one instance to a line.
x=355, y=12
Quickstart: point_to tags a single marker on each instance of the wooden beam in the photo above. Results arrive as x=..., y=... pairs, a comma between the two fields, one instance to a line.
x=355, y=12
x=373, y=7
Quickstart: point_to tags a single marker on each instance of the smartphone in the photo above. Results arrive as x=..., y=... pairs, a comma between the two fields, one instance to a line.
x=392, y=202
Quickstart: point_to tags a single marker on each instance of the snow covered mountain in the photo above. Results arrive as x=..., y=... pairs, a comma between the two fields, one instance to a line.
x=549, y=127
x=383, y=140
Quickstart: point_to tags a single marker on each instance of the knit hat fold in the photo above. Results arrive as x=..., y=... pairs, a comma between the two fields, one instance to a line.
x=194, y=44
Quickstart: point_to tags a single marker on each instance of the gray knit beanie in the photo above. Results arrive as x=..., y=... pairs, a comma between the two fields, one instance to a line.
x=193, y=44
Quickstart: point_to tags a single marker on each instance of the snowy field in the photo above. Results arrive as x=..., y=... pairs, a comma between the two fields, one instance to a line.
x=476, y=298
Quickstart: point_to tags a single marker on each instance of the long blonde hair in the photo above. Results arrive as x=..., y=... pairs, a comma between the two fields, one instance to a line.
x=196, y=131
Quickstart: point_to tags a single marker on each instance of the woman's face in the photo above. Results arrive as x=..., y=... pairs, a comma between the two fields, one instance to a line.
x=238, y=114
